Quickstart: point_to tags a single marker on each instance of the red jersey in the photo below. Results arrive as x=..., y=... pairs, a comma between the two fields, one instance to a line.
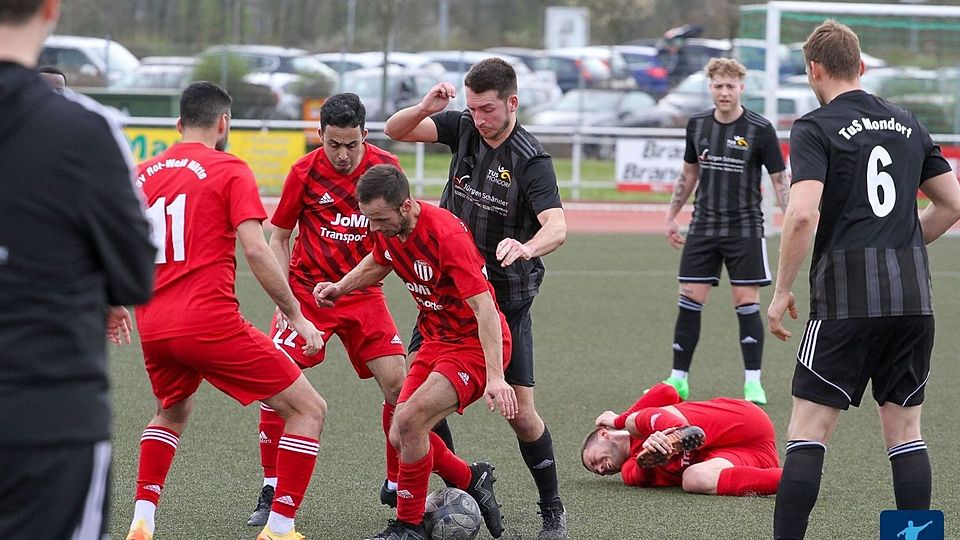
x=334, y=235
x=196, y=198
x=441, y=267
x=728, y=424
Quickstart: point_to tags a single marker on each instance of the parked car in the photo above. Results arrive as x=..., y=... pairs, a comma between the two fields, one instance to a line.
x=687, y=56
x=792, y=103
x=931, y=95
x=167, y=76
x=457, y=63
x=271, y=59
x=289, y=74
x=752, y=53
x=405, y=87
x=169, y=61
x=88, y=61
x=589, y=67
x=533, y=58
x=796, y=58
x=342, y=62
x=693, y=95
x=593, y=107
x=648, y=71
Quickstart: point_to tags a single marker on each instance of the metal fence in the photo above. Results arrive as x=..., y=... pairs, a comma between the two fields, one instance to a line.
x=570, y=141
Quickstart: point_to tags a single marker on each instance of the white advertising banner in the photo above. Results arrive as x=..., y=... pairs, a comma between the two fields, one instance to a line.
x=648, y=164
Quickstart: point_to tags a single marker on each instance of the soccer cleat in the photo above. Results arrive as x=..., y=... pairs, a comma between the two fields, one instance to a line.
x=262, y=512
x=481, y=489
x=401, y=530
x=753, y=391
x=683, y=439
x=388, y=497
x=554, y=520
x=139, y=531
x=267, y=534
x=681, y=385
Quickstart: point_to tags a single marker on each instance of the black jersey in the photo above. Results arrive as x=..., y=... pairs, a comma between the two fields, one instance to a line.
x=728, y=197
x=73, y=238
x=498, y=193
x=869, y=258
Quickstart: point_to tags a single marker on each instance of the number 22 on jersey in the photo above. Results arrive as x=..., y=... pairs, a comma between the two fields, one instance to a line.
x=157, y=214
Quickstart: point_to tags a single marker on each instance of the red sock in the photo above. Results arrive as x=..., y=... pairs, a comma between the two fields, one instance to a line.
x=744, y=481
x=413, y=483
x=157, y=448
x=271, y=429
x=296, y=458
x=448, y=465
x=393, y=457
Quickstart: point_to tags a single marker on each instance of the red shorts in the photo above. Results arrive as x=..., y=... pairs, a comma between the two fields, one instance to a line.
x=361, y=321
x=246, y=366
x=461, y=363
x=739, y=432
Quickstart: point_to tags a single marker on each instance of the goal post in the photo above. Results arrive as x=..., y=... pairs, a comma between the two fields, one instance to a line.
x=907, y=34
x=902, y=35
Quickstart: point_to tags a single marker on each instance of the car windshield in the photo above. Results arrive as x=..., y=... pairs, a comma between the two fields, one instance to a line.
x=576, y=100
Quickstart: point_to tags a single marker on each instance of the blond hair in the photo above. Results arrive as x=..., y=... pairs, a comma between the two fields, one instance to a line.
x=836, y=48
x=725, y=67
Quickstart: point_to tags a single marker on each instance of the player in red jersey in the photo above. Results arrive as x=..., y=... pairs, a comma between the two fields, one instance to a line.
x=466, y=340
x=318, y=199
x=200, y=201
x=737, y=456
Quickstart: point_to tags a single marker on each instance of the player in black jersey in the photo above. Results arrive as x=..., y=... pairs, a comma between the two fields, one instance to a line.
x=726, y=146
x=858, y=162
x=503, y=186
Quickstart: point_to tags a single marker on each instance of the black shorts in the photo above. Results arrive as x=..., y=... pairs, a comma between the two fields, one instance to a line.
x=745, y=259
x=57, y=491
x=520, y=370
x=836, y=358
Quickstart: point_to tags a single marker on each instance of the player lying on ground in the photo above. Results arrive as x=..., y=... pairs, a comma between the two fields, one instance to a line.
x=721, y=446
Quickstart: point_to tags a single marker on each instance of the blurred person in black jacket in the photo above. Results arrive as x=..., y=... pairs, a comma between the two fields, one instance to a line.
x=73, y=242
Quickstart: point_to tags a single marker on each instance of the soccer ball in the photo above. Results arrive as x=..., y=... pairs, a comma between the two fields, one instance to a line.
x=451, y=514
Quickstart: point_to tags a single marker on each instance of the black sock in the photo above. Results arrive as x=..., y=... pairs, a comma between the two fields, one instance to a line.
x=538, y=455
x=911, y=475
x=798, y=490
x=751, y=335
x=442, y=429
x=686, y=333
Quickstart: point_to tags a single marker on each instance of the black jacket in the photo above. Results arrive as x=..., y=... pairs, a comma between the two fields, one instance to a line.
x=73, y=240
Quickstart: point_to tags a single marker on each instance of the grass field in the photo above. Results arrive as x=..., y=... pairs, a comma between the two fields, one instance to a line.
x=603, y=326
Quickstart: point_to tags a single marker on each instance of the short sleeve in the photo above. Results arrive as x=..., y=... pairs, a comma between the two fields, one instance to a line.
x=448, y=127
x=291, y=201
x=770, y=151
x=244, y=198
x=808, y=152
x=690, y=153
x=460, y=260
x=380, y=251
x=934, y=164
x=539, y=184
x=631, y=473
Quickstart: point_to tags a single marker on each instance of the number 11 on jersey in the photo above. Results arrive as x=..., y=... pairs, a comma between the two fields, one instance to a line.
x=157, y=214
